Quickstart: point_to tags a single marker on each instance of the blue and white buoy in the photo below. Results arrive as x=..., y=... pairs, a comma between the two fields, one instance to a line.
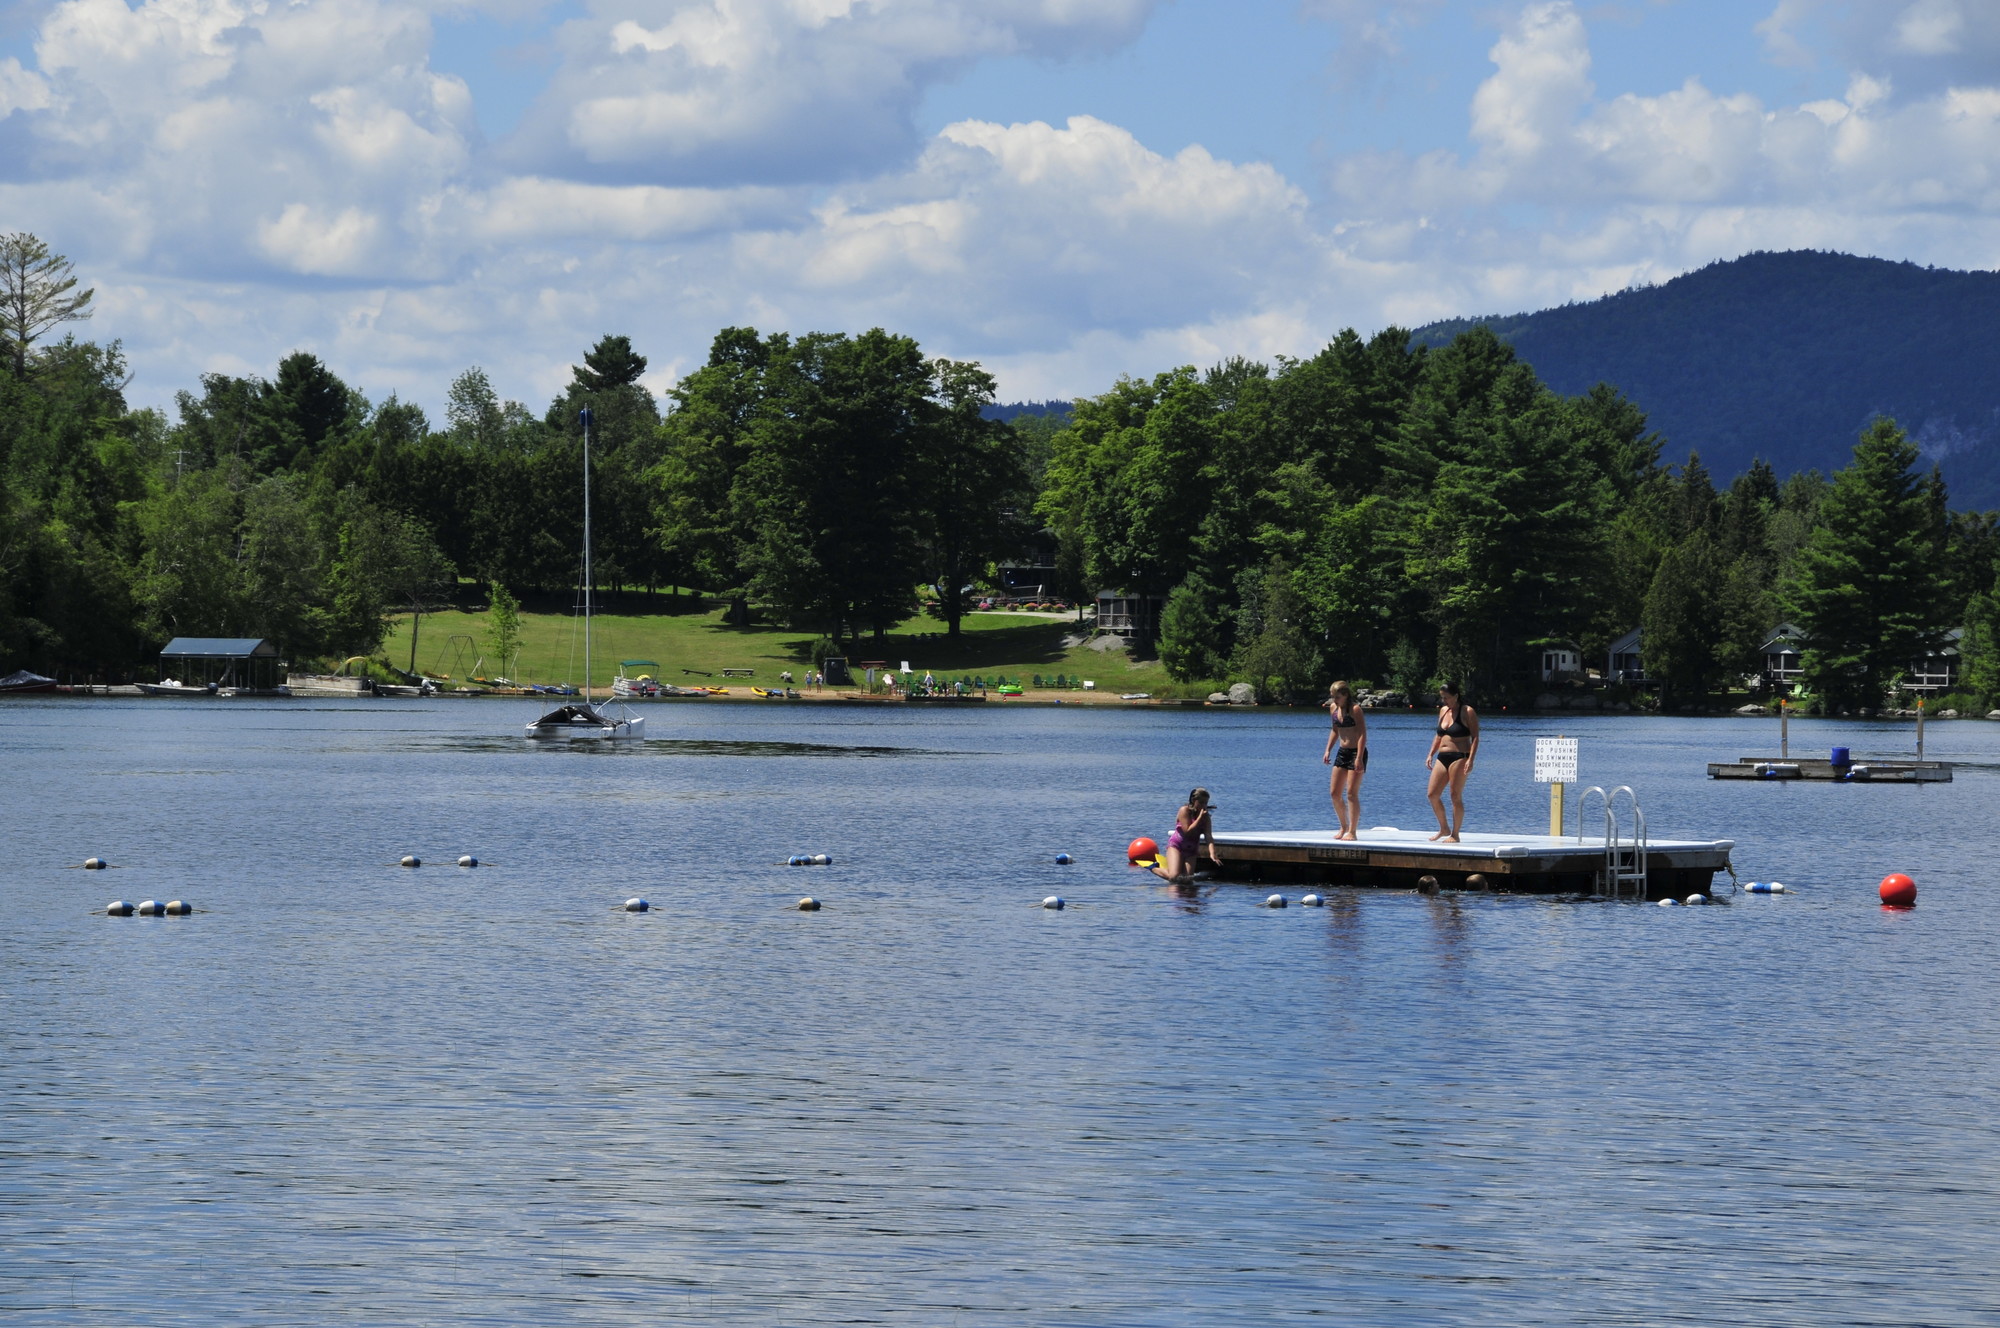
x=1275, y=901
x=1765, y=888
x=809, y=905
x=1064, y=859
x=411, y=860
x=468, y=861
x=638, y=906
x=118, y=908
x=1312, y=901
x=1055, y=902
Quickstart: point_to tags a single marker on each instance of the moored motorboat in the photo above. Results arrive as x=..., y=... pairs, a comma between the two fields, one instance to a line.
x=22, y=682
x=644, y=687
x=175, y=687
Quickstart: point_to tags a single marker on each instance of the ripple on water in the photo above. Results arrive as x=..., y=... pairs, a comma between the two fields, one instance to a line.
x=349, y=1092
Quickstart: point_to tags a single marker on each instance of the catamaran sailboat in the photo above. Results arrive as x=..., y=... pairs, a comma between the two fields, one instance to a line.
x=581, y=719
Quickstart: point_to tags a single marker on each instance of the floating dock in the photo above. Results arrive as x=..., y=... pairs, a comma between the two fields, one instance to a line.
x=1854, y=772
x=1528, y=864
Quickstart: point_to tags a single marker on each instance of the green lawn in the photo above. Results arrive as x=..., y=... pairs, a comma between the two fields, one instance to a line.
x=552, y=648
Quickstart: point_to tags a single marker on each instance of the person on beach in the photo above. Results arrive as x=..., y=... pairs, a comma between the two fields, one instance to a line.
x=1350, y=761
x=1193, y=830
x=1453, y=746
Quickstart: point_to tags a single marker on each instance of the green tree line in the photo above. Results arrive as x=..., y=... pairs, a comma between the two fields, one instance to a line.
x=1380, y=510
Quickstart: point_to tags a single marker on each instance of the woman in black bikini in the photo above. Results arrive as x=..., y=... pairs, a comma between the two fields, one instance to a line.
x=1450, y=761
x=1350, y=734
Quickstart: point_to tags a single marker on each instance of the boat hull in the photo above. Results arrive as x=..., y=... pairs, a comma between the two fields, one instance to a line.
x=575, y=723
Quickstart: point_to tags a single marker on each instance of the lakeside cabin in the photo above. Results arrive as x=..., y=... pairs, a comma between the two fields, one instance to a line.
x=201, y=661
x=1623, y=661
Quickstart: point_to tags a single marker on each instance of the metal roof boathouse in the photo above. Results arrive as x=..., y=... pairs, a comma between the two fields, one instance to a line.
x=246, y=663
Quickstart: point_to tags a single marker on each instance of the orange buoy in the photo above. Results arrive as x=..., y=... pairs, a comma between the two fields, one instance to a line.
x=1899, y=891
x=1140, y=849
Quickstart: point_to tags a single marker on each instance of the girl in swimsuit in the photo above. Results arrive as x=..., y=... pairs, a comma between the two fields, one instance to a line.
x=1192, y=830
x=1350, y=736
x=1450, y=761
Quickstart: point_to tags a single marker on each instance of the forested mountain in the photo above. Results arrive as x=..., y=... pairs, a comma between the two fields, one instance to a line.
x=1787, y=356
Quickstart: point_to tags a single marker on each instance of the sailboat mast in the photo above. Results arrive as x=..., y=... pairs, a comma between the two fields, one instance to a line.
x=584, y=415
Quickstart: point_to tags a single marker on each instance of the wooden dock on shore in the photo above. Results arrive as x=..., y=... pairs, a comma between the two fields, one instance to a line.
x=1400, y=859
x=1855, y=772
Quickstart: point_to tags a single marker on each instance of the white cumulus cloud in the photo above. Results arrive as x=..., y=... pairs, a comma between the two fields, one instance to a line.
x=777, y=91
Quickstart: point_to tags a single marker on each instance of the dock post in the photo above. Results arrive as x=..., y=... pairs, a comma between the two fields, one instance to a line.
x=1784, y=729
x=1920, y=728
x=1556, y=810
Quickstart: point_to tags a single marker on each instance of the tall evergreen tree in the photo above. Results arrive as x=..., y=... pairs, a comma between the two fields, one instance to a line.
x=1868, y=587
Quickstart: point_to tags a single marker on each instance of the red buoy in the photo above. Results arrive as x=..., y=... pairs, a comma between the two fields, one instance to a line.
x=1899, y=891
x=1141, y=849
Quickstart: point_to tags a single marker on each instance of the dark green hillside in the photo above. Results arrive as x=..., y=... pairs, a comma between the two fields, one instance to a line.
x=1788, y=356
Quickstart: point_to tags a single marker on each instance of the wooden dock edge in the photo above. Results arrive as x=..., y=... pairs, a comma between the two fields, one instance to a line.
x=1672, y=873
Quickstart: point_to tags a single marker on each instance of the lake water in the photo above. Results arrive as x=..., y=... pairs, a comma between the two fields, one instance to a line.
x=349, y=1093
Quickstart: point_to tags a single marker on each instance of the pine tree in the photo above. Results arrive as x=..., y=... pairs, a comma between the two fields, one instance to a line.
x=1867, y=586
x=1683, y=632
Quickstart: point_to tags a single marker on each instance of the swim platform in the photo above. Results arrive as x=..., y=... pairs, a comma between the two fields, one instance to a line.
x=1398, y=859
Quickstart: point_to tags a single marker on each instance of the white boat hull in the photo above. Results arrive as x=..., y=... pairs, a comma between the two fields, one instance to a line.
x=573, y=723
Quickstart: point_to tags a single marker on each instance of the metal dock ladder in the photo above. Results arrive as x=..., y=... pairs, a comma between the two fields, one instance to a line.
x=1624, y=842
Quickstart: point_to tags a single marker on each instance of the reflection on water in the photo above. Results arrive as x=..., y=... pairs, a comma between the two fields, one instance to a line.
x=352, y=1093
x=651, y=748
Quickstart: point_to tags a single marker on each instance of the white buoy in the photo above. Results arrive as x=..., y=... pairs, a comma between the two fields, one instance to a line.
x=1054, y=902
x=151, y=908
x=1311, y=901
x=412, y=860
x=821, y=860
x=468, y=861
x=118, y=908
x=1696, y=900
x=809, y=905
x=637, y=906
x=1670, y=903
x=179, y=908
x=1275, y=901
x=95, y=864
x=1764, y=888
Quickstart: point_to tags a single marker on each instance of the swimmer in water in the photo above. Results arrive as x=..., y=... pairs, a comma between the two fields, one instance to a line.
x=1350, y=761
x=1192, y=831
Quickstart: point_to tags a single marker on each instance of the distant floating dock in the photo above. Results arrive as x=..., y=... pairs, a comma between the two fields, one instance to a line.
x=1529, y=864
x=1854, y=772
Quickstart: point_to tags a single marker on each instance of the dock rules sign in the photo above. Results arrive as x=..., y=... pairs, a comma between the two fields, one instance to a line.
x=1555, y=760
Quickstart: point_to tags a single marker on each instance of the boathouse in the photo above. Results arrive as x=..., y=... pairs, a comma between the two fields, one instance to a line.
x=226, y=661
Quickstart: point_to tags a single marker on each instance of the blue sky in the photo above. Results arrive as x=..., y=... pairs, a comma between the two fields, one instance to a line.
x=1066, y=190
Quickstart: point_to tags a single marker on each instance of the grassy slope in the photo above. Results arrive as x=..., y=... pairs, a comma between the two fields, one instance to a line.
x=551, y=651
